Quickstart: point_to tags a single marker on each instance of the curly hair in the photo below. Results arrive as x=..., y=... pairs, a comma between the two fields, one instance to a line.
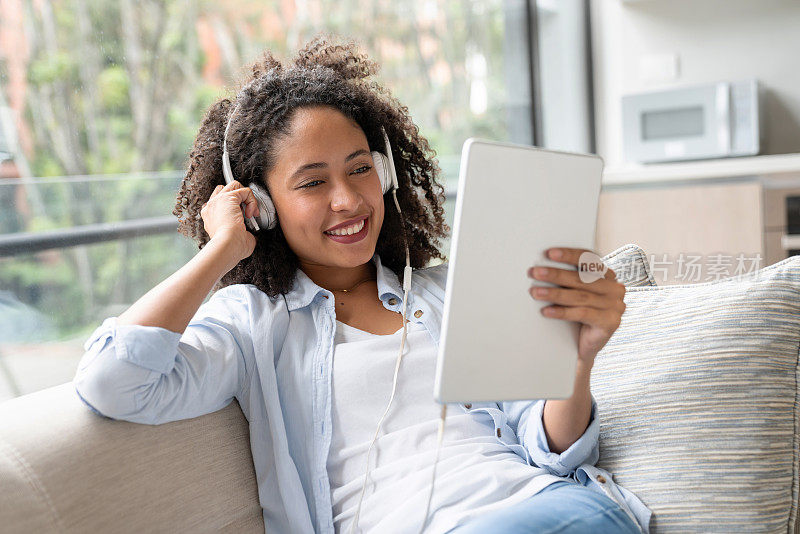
x=322, y=74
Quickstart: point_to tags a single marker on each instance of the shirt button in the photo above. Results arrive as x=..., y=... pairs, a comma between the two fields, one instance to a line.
x=601, y=479
x=392, y=301
x=418, y=314
x=498, y=432
x=468, y=406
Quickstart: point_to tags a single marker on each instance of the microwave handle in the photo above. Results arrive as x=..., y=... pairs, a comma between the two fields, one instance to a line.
x=723, y=121
x=790, y=242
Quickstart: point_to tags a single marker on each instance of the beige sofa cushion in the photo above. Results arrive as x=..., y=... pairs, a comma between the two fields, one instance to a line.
x=66, y=469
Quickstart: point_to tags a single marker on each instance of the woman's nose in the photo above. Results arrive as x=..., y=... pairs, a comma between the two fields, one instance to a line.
x=344, y=195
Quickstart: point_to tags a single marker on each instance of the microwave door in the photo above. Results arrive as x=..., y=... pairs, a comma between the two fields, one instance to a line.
x=686, y=124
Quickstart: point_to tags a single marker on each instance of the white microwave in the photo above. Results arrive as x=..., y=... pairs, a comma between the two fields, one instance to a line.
x=716, y=120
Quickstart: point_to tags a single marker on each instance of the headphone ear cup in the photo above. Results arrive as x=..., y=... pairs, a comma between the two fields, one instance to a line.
x=381, y=163
x=267, y=216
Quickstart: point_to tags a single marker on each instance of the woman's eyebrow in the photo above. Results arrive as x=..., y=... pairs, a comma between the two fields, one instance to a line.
x=322, y=164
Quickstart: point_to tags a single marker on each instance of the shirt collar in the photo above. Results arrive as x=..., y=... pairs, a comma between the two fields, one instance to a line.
x=305, y=290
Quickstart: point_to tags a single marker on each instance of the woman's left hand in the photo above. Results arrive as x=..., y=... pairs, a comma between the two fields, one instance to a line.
x=597, y=303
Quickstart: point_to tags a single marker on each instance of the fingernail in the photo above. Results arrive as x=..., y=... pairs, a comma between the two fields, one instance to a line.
x=540, y=271
x=555, y=253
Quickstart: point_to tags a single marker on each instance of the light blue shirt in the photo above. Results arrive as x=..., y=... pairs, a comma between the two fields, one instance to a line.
x=274, y=356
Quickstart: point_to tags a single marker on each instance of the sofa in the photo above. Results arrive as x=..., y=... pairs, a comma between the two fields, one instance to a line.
x=697, y=398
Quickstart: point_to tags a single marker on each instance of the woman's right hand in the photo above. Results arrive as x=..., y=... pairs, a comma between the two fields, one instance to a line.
x=223, y=219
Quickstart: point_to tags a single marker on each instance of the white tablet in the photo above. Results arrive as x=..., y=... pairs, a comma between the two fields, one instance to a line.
x=514, y=202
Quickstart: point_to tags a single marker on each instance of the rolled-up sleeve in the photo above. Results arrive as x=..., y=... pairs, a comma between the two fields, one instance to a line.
x=147, y=374
x=526, y=419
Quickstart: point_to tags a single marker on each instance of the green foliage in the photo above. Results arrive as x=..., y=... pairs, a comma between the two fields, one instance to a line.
x=39, y=223
x=46, y=165
x=29, y=272
x=204, y=96
x=59, y=67
x=114, y=87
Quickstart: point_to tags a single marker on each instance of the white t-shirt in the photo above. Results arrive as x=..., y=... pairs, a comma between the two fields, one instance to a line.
x=476, y=473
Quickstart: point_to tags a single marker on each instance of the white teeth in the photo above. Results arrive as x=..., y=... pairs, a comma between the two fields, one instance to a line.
x=350, y=230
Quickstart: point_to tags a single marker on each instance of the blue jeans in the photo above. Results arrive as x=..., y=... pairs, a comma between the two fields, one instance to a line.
x=562, y=507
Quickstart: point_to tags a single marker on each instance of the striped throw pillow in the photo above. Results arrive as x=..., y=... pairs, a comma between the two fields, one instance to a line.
x=698, y=401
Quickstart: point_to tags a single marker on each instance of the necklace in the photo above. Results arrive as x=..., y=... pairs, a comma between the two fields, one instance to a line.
x=352, y=288
x=355, y=286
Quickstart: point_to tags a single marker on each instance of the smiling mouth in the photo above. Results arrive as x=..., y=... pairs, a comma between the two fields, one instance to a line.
x=355, y=237
x=349, y=230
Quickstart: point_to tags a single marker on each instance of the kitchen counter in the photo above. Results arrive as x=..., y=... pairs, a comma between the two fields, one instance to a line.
x=767, y=166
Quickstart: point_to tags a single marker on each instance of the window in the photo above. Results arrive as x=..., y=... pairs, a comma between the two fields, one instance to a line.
x=103, y=101
x=563, y=76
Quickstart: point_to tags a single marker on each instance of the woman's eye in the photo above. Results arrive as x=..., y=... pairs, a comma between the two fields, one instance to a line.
x=360, y=170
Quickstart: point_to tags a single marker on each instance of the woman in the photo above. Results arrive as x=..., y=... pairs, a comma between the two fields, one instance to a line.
x=304, y=326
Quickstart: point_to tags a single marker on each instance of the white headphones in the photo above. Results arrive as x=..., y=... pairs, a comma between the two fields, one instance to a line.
x=267, y=217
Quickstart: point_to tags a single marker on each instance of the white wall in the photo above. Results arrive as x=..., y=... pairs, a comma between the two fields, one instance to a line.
x=715, y=40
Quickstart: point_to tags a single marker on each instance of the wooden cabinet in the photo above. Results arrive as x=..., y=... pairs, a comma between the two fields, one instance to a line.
x=728, y=216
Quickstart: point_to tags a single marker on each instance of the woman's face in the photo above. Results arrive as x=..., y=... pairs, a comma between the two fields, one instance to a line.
x=325, y=176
